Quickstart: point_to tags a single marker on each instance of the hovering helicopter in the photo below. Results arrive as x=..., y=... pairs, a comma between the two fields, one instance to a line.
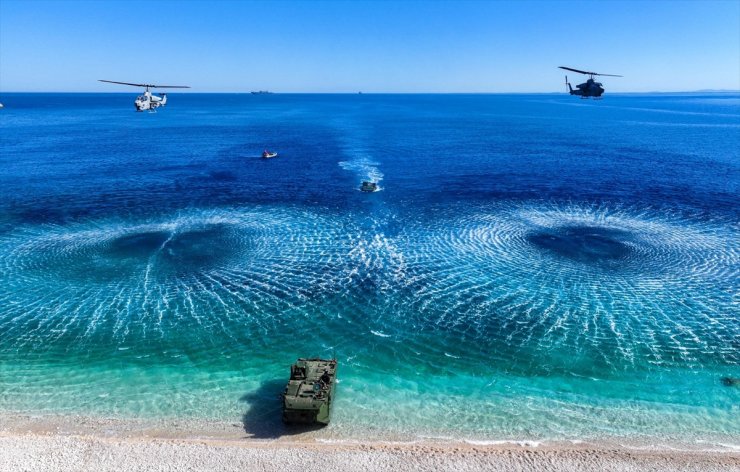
x=148, y=101
x=590, y=88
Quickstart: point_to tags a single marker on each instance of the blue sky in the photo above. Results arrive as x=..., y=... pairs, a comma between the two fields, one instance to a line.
x=382, y=46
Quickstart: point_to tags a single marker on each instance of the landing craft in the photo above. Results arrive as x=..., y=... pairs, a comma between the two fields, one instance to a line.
x=590, y=88
x=148, y=101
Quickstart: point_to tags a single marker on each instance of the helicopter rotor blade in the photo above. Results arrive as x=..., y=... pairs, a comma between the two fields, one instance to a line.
x=576, y=70
x=124, y=83
x=588, y=73
x=144, y=85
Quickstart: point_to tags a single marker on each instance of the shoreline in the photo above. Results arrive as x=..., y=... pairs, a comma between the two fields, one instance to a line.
x=58, y=442
x=274, y=432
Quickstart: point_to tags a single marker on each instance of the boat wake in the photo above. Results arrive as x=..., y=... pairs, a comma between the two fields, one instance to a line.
x=366, y=169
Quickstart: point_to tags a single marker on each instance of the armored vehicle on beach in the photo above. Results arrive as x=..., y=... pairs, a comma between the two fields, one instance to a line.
x=310, y=391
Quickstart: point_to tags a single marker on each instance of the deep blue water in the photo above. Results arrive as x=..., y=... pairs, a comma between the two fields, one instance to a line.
x=532, y=266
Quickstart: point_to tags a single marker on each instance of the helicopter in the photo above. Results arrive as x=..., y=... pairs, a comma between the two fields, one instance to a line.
x=590, y=88
x=148, y=101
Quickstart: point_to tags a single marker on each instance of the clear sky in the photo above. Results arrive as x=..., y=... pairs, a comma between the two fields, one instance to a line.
x=381, y=46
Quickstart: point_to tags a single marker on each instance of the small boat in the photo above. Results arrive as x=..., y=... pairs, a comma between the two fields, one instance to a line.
x=307, y=397
x=268, y=155
x=368, y=186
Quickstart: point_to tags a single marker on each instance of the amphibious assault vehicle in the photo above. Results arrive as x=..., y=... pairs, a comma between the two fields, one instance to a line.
x=368, y=186
x=310, y=391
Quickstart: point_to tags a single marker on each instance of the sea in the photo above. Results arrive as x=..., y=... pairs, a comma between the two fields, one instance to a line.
x=532, y=267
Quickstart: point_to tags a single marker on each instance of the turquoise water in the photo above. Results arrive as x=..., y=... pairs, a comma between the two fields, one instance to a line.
x=533, y=267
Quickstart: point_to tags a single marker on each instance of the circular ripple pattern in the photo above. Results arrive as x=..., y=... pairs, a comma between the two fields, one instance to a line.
x=576, y=288
x=586, y=244
x=119, y=252
x=545, y=287
x=211, y=274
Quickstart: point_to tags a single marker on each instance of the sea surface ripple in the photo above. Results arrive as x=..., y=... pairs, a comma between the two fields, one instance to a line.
x=519, y=277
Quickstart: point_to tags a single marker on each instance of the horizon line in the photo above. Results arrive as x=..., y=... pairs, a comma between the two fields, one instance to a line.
x=359, y=92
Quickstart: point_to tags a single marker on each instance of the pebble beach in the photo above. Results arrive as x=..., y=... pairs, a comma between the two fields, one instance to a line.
x=85, y=444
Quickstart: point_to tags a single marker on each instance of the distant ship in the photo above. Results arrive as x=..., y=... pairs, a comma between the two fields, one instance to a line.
x=260, y=92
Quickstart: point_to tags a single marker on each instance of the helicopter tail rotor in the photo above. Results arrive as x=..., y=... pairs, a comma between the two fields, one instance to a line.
x=568, y=88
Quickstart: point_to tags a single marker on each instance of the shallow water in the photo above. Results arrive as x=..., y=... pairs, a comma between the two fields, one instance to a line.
x=533, y=266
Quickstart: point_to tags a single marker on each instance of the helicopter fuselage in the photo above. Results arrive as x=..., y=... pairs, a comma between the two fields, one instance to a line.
x=590, y=88
x=148, y=101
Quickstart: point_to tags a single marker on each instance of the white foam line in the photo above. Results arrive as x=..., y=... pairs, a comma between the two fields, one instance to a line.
x=228, y=308
x=380, y=333
x=186, y=290
x=522, y=443
x=98, y=311
x=43, y=318
x=164, y=300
